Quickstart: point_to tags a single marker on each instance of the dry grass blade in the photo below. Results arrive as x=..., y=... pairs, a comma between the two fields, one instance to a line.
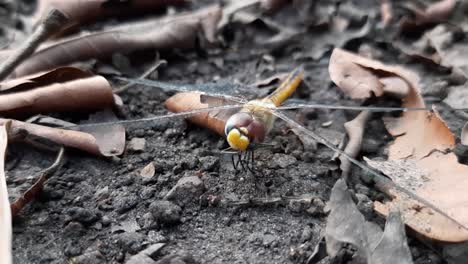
x=180, y=31
x=62, y=89
x=5, y=213
x=51, y=24
x=37, y=187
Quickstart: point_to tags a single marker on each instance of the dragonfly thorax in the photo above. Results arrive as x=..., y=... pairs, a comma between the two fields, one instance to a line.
x=242, y=129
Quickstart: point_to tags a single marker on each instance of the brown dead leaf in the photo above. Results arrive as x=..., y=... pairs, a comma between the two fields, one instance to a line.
x=179, y=31
x=5, y=213
x=89, y=11
x=21, y=131
x=62, y=89
x=421, y=137
x=183, y=102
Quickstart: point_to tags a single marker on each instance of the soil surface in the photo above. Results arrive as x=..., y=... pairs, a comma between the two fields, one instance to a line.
x=97, y=210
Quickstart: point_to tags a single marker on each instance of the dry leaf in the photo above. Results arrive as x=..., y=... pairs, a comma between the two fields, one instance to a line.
x=272, y=5
x=346, y=225
x=464, y=135
x=88, y=11
x=110, y=139
x=21, y=131
x=62, y=89
x=148, y=171
x=183, y=102
x=421, y=137
x=180, y=31
x=433, y=13
x=38, y=186
x=5, y=213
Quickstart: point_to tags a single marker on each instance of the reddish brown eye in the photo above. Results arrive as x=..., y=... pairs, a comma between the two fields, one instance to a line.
x=238, y=120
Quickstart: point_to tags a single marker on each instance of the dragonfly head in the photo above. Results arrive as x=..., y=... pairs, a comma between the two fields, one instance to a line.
x=242, y=129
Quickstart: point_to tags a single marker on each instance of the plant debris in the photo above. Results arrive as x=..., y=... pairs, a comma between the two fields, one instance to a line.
x=5, y=213
x=59, y=90
x=173, y=32
x=37, y=187
x=422, y=137
x=346, y=225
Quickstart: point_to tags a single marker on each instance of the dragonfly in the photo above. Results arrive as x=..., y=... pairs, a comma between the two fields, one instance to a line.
x=249, y=121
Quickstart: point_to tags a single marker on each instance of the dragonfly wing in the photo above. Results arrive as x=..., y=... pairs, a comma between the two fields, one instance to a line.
x=213, y=101
x=221, y=89
x=302, y=104
x=381, y=181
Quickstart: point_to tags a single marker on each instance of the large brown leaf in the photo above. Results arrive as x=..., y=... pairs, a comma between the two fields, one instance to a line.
x=87, y=11
x=421, y=137
x=179, y=31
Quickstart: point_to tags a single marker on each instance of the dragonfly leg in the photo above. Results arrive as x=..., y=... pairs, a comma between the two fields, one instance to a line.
x=239, y=160
x=248, y=159
x=234, y=164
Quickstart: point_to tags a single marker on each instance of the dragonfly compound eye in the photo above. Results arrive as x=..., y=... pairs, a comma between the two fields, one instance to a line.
x=238, y=120
x=237, y=140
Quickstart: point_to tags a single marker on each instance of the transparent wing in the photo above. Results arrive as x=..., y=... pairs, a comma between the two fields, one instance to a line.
x=301, y=104
x=381, y=181
x=161, y=117
x=226, y=90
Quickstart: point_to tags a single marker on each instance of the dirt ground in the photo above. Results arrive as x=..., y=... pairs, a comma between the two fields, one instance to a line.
x=98, y=210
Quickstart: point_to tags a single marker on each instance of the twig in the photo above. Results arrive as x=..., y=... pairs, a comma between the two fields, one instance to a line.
x=355, y=131
x=37, y=187
x=157, y=64
x=51, y=24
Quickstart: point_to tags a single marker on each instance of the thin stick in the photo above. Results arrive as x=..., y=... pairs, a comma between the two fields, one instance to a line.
x=37, y=187
x=355, y=130
x=51, y=24
x=157, y=64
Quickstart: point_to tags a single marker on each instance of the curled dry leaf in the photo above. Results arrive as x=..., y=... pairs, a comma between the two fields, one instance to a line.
x=5, y=213
x=422, y=138
x=21, y=131
x=179, y=31
x=61, y=89
x=183, y=102
x=88, y=11
x=346, y=225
